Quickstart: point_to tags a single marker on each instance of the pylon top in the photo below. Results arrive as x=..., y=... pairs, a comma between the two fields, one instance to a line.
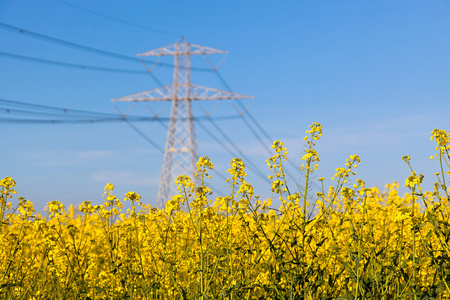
x=172, y=49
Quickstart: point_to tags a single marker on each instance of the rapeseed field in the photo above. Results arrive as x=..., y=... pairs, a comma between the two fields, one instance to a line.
x=348, y=241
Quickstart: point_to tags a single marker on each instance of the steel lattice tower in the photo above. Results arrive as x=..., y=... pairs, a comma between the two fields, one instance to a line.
x=180, y=152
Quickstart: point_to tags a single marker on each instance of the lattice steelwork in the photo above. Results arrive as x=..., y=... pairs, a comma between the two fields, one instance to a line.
x=180, y=152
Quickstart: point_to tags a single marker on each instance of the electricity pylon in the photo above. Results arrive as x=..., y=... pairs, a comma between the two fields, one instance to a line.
x=180, y=152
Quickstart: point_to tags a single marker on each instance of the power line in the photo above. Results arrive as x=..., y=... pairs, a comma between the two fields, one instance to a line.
x=210, y=134
x=256, y=135
x=55, y=121
x=40, y=107
x=242, y=107
x=51, y=111
x=52, y=108
x=251, y=165
x=117, y=19
x=41, y=114
x=257, y=125
x=8, y=110
x=64, y=43
x=85, y=48
x=69, y=65
x=227, y=86
x=79, y=120
x=144, y=136
x=223, y=146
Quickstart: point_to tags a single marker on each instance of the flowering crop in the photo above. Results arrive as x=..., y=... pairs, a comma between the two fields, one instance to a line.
x=347, y=242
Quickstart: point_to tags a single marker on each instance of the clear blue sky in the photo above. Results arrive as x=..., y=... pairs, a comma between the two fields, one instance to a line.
x=374, y=73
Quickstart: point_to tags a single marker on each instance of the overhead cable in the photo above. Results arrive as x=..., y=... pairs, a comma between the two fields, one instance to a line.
x=73, y=120
x=148, y=139
x=70, y=65
x=144, y=136
x=51, y=115
x=243, y=107
x=117, y=19
x=241, y=154
x=86, y=48
x=163, y=124
x=257, y=125
x=13, y=103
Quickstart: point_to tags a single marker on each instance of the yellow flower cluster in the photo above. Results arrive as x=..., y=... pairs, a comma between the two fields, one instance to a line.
x=315, y=130
x=412, y=181
x=352, y=243
x=275, y=163
x=311, y=155
x=203, y=165
x=7, y=185
x=343, y=173
x=236, y=170
x=441, y=137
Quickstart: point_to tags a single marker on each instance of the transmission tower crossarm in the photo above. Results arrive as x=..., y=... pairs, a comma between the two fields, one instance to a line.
x=163, y=93
x=197, y=92
x=206, y=93
x=201, y=50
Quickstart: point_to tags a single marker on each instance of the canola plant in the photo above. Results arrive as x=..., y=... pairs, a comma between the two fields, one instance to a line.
x=346, y=242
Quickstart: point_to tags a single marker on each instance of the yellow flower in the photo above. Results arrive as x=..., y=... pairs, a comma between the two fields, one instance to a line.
x=406, y=158
x=412, y=181
x=441, y=137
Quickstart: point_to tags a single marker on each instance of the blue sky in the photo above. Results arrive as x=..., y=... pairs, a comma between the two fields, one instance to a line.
x=374, y=73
